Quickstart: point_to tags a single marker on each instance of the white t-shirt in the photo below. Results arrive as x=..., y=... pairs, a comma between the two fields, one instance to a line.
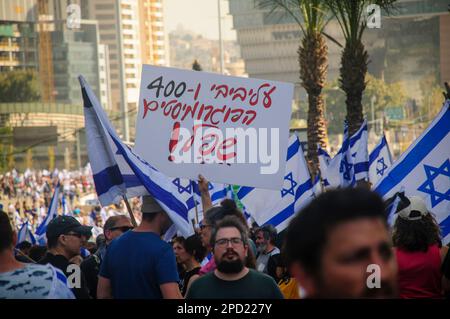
x=35, y=282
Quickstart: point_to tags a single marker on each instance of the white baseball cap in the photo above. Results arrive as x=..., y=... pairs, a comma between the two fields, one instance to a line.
x=415, y=210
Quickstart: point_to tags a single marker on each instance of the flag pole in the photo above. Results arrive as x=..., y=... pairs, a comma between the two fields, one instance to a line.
x=130, y=212
x=195, y=202
x=25, y=256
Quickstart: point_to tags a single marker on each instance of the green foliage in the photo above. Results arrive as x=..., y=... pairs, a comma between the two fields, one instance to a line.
x=310, y=15
x=19, y=86
x=386, y=95
x=351, y=15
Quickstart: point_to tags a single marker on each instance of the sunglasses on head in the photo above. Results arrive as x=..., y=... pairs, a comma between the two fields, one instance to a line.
x=123, y=229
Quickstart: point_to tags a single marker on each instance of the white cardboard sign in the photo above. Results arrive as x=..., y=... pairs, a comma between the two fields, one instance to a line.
x=229, y=129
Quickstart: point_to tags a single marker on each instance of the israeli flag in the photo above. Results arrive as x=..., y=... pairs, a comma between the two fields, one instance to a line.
x=189, y=192
x=346, y=167
x=424, y=170
x=25, y=234
x=379, y=161
x=351, y=163
x=113, y=177
x=279, y=207
x=51, y=213
x=109, y=181
x=324, y=161
x=360, y=153
x=66, y=211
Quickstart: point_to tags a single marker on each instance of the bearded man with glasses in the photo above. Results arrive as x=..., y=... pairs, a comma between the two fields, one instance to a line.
x=231, y=279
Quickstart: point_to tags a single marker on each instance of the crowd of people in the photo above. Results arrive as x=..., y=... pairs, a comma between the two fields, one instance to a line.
x=338, y=246
x=26, y=198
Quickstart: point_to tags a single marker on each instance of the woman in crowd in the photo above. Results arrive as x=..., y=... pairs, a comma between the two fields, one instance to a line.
x=189, y=252
x=417, y=244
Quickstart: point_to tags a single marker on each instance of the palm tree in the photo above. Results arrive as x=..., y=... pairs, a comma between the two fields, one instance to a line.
x=350, y=15
x=311, y=16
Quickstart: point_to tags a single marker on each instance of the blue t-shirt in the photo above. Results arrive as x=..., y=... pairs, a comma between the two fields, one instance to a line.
x=137, y=263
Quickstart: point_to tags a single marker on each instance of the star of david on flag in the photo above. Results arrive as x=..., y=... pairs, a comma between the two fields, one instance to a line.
x=423, y=170
x=380, y=160
x=277, y=208
x=292, y=184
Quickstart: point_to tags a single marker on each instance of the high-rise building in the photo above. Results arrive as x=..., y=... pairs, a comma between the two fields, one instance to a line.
x=133, y=30
x=18, y=38
x=35, y=34
x=153, y=42
x=409, y=44
x=78, y=52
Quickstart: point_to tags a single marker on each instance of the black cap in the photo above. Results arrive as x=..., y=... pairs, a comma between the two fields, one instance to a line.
x=64, y=224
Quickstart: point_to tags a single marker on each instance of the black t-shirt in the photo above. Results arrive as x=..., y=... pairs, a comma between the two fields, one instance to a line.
x=62, y=263
x=184, y=282
x=90, y=268
x=254, y=285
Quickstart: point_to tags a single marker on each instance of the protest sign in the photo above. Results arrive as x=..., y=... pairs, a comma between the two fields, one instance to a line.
x=229, y=129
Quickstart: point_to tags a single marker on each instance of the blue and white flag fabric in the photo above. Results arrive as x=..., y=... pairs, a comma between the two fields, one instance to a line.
x=424, y=171
x=277, y=208
x=84, y=252
x=351, y=163
x=108, y=174
x=332, y=173
x=25, y=234
x=346, y=168
x=324, y=161
x=113, y=177
x=51, y=213
x=360, y=153
x=66, y=211
x=379, y=161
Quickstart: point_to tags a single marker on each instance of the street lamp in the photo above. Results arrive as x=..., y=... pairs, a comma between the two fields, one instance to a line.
x=220, y=36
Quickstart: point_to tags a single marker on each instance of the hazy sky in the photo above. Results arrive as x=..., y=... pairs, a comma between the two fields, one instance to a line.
x=199, y=16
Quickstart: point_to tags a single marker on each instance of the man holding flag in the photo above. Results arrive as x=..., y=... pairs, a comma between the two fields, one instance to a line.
x=139, y=265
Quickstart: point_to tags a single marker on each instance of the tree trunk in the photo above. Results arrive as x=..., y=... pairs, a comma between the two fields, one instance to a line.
x=313, y=62
x=352, y=78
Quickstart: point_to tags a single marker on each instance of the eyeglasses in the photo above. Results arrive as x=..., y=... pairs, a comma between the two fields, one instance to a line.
x=235, y=241
x=123, y=229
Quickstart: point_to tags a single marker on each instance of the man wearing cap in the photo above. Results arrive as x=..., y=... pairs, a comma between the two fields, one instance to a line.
x=65, y=236
x=138, y=264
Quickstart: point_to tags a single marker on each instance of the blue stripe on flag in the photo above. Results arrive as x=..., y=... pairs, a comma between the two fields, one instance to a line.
x=445, y=227
x=421, y=149
x=61, y=276
x=51, y=213
x=107, y=178
x=159, y=193
x=243, y=191
x=289, y=211
x=358, y=135
x=361, y=167
x=374, y=155
x=131, y=181
x=293, y=149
